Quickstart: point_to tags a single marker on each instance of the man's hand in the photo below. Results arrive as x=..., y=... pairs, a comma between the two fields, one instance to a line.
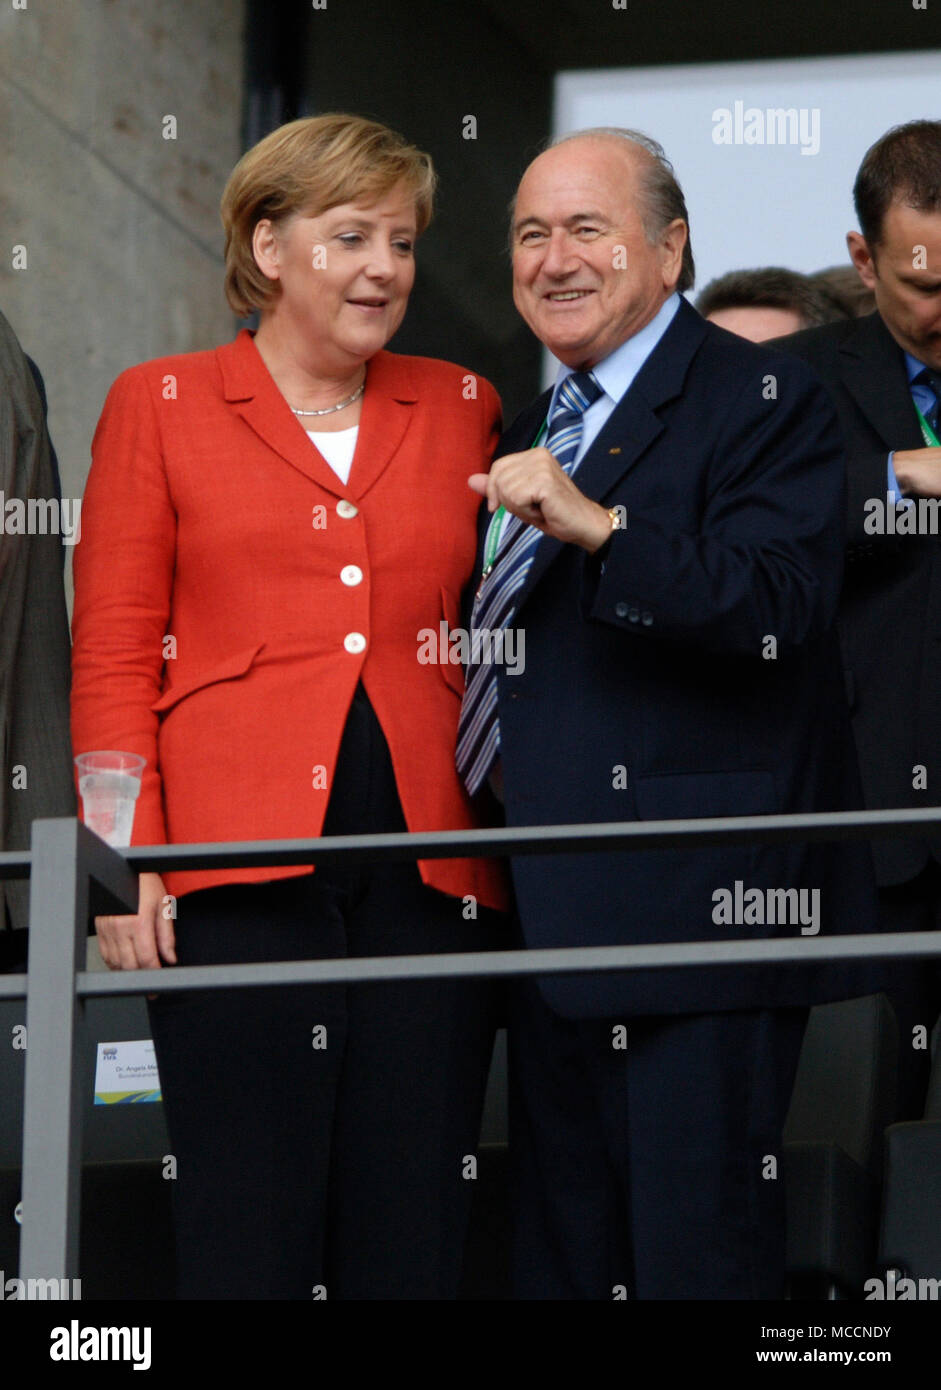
x=535, y=487
x=138, y=943
x=918, y=471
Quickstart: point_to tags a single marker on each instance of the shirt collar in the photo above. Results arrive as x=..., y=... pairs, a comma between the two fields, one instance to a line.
x=616, y=372
x=913, y=366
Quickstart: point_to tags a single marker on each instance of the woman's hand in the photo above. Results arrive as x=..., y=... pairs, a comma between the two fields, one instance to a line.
x=139, y=943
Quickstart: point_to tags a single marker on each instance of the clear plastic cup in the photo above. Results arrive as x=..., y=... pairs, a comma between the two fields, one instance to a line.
x=109, y=785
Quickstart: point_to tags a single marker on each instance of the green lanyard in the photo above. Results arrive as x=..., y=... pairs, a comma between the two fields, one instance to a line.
x=492, y=544
x=927, y=433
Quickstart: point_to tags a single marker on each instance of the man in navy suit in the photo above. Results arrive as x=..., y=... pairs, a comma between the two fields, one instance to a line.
x=665, y=528
x=884, y=375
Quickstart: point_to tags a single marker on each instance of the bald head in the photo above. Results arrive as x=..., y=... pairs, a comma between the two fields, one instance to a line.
x=662, y=196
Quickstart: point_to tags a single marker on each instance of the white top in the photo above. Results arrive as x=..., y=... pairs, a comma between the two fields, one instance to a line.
x=337, y=447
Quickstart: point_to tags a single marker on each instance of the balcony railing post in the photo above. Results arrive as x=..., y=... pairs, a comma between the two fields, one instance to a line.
x=52, y=1111
x=64, y=855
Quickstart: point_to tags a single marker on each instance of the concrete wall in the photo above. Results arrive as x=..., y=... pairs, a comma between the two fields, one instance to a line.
x=120, y=225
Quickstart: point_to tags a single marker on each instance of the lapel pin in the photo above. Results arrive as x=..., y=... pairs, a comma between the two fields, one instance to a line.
x=615, y=450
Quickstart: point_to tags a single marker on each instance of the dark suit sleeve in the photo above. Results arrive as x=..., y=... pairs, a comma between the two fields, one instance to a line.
x=766, y=558
x=867, y=479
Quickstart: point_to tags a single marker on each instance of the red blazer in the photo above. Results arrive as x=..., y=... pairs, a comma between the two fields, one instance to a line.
x=230, y=592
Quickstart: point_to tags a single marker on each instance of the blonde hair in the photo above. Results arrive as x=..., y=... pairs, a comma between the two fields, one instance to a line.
x=308, y=166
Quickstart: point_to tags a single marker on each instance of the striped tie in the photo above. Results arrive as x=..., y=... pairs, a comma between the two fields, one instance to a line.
x=478, y=735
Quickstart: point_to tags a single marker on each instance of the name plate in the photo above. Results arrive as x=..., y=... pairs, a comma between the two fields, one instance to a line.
x=126, y=1073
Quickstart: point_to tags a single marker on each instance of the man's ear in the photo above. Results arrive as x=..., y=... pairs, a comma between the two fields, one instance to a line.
x=672, y=243
x=265, y=248
x=862, y=258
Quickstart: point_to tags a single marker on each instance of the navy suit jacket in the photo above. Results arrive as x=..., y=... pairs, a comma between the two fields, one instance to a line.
x=892, y=591
x=693, y=671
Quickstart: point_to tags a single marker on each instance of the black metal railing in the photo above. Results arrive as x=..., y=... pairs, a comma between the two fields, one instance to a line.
x=74, y=875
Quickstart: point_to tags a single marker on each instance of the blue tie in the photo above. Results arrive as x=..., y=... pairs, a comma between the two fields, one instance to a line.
x=478, y=735
x=930, y=380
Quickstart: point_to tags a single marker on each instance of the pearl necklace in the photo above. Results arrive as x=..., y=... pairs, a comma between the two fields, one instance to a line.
x=341, y=405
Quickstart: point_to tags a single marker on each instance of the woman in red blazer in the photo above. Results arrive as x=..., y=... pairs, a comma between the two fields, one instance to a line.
x=270, y=530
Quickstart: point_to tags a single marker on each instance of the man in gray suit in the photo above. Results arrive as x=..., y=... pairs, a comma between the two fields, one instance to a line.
x=36, y=761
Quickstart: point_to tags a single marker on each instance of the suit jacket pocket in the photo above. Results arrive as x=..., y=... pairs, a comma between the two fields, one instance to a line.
x=230, y=669
x=676, y=795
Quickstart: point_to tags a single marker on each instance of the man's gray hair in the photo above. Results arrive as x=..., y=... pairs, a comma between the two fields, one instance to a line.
x=660, y=190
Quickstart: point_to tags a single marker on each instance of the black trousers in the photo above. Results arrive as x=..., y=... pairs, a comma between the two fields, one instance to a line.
x=322, y=1132
x=646, y=1162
